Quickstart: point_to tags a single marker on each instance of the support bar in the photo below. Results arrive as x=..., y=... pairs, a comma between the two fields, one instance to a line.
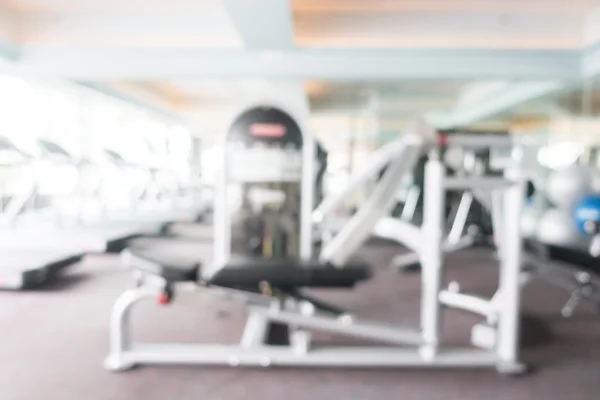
x=410, y=203
x=360, y=226
x=377, y=162
x=474, y=304
x=405, y=260
x=460, y=219
x=345, y=326
x=365, y=357
x=399, y=231
x=477, y=183
x=432, y=255
x=255, y=331
x=476, y=141
x=510, y=267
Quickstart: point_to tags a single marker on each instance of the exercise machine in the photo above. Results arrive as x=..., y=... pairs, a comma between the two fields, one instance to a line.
x=398, y=230
x=25, y=264
x=269, y=162
x=163, y=215
x=563, y=240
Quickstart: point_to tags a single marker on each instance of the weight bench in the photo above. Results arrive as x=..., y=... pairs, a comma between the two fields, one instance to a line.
x=575, y=270
x=270, y=288
x=248, y=273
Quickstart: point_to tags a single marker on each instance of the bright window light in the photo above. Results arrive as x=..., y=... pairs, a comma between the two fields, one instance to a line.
x=85, y=122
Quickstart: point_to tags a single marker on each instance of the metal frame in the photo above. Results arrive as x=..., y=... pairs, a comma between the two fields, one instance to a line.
x=222, y=223
x=411, y=202
x=474, y=186
x=254, y=351
x=361, y=226
x=418, y=347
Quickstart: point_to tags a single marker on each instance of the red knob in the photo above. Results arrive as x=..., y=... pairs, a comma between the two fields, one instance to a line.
x=164, y=298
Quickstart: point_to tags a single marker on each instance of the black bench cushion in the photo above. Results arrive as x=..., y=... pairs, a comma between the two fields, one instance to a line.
x=246, y=272
x=576, y=257
x=251, y=272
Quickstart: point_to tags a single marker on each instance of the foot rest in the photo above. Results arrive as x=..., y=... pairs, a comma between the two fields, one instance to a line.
x=252, y=272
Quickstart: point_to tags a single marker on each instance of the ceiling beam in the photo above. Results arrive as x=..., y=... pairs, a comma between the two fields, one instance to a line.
x=269, y=25
x=340, y=64
x=437, y=6
x=496, y=103
x=262, y=24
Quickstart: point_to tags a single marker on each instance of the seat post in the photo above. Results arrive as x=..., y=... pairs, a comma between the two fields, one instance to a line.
x=431, y=254
x=510, y=266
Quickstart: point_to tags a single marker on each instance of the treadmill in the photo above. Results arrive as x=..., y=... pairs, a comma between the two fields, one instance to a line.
x=165, y=214
x=109, y=234
x=26, y=265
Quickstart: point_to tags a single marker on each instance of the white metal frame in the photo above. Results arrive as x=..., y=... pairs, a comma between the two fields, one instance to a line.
x=222, y=223
x=419, y=347
x=401, y=230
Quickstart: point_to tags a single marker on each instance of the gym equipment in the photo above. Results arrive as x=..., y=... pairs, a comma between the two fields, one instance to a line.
x=94, y=235
x=28, y=266
x=587, y=211
x=575, y=270
x=564, y=249
x=461, y=234
x=271, y=151
x=22, y=269
x=164, y=215
x=557, y=226
x=19, y=201
x=409, y=206
x=58, y=233
x=321, y=156
x=564, y=187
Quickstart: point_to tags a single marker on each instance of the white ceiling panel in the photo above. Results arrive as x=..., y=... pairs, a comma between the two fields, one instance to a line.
x=147, y=29
x=390, y=59
x=441, y=6
x=452, y=29
x=68, y=6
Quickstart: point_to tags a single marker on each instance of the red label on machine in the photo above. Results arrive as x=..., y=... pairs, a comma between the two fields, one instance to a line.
x=267, y=130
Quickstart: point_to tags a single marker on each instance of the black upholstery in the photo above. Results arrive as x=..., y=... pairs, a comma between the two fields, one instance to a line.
x=250, y=272
x=353, y=272
x=578, y=258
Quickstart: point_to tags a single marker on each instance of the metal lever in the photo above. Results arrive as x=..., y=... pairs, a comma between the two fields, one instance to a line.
x=571, y=304
x=584, y=290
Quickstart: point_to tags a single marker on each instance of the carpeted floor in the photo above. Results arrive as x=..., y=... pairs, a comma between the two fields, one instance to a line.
x=54, y=341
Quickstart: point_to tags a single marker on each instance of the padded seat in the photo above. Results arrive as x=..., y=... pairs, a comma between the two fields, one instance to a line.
x=250, y=272
x=247, y=273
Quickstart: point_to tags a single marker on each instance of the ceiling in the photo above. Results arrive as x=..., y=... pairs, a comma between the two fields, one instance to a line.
x=345, y=23
x=460, y=62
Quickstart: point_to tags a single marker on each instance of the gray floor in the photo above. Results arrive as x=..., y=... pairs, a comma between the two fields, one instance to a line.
x=53, y=343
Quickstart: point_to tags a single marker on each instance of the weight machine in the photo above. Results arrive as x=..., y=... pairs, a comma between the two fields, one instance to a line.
x=400, y=230
x=271, y=286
